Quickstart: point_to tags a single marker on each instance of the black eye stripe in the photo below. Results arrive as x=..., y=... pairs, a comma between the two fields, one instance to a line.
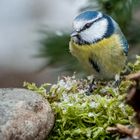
x=86, y=27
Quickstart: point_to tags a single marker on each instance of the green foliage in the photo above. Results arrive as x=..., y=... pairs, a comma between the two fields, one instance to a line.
x=40, y=90
x=120, y=10
x=56, y=48
x=80, y=116
x=136, y=66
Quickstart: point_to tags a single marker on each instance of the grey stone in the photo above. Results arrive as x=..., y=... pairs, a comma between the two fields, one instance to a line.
x=24, y=115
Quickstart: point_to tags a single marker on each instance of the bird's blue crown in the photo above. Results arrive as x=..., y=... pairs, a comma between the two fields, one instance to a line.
x=88, y=15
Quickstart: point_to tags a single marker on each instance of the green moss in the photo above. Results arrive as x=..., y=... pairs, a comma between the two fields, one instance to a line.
x=136, y=66
x=80, y=116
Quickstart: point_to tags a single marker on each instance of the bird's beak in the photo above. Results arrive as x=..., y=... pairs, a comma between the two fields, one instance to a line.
x=74, y=33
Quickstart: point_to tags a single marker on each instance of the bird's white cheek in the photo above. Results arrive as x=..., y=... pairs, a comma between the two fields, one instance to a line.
x=95, y=32
x=87, y=36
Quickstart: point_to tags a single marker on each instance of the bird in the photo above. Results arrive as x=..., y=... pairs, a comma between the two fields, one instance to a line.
x=99, y=44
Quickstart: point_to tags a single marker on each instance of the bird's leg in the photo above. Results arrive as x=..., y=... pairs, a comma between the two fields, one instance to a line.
x=119, y=77
x=91, y=87
x=117, y=80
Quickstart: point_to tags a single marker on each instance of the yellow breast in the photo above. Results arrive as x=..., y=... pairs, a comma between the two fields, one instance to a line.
x=107, y=53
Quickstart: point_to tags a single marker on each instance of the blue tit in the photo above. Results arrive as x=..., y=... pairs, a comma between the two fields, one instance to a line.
x=98, y=43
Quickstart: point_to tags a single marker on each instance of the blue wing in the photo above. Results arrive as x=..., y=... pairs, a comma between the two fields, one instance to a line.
x=125, y=45
x=122, y=38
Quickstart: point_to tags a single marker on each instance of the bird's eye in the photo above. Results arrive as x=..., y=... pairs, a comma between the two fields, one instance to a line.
x=88, y=25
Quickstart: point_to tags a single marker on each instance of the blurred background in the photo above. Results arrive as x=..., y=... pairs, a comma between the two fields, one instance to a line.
x=34, y=36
